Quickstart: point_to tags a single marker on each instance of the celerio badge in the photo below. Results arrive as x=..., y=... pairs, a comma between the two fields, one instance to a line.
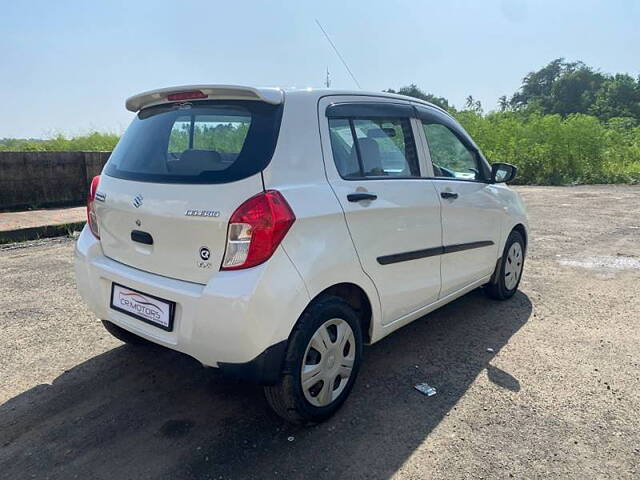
x=202, y=213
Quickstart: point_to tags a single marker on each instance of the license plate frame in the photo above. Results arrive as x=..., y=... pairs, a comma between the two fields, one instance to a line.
x=145, y=305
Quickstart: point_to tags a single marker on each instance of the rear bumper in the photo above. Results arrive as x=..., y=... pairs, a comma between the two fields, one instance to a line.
x=265, y=369
x=239, y=321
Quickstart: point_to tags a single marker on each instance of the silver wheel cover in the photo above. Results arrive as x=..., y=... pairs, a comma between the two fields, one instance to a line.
x=328, y=362
x=513, y=266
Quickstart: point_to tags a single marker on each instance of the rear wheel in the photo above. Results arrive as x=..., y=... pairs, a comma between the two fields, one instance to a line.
x=507, y=277
x=124, y=335
x=321, y=365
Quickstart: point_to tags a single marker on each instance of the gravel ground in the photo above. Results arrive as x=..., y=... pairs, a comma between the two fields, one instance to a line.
x=558, y=394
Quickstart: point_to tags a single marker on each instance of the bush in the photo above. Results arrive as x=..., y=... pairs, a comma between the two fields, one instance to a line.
x=91, y=142
x=552, y=150
x=547, y=149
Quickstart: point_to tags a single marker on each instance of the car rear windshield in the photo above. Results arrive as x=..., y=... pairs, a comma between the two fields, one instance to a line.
x=199, y=142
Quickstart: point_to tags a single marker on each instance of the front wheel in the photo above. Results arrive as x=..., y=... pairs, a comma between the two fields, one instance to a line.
x=321, y=365
x=507, y=277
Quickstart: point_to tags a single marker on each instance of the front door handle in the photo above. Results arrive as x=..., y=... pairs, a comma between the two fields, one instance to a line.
x=358, y=197
x=448, y=195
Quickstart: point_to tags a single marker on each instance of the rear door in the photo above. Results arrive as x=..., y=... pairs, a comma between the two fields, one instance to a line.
x=471, y=210
x=175, y=179
x=393, y=215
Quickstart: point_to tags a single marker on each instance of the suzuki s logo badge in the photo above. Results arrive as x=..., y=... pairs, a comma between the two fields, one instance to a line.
x=137, y=200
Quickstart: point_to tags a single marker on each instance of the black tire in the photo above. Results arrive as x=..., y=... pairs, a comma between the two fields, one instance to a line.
x=497, y=288
x=286, y=397
x=124, y=335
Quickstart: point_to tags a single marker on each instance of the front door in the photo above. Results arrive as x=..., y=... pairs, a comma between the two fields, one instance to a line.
x=393, y=215
x=471, y=210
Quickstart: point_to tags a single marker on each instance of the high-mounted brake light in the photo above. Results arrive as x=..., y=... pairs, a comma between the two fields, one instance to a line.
x=192, y=95
x=256, y=229
x=92, y=218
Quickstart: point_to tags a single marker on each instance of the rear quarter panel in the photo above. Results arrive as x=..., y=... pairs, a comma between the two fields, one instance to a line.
x=319, y=243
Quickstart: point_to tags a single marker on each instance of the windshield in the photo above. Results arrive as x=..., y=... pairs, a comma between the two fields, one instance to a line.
x=200, y=142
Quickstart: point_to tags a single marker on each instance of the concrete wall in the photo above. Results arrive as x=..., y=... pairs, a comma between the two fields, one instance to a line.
x=47, y=179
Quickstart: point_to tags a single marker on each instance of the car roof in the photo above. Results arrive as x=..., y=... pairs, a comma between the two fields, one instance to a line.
x=273, y=95
x=323, y=92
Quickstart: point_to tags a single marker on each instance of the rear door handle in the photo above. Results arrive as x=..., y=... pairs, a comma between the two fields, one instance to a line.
x=448, y=195
x=358, y=197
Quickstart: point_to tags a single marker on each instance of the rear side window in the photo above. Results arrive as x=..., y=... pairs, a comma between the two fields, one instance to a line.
x=203, y=142
x=373, y=147
x=344, y=150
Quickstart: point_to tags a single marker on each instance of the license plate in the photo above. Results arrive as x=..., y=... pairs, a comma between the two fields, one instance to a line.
x=147, y=308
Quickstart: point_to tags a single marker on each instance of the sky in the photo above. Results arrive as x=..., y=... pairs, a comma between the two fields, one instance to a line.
x=67, y=66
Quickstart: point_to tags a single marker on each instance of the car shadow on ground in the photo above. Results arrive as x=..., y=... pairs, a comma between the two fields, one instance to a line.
x=153, y=413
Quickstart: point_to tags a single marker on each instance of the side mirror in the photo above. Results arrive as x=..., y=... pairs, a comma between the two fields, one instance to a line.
x=503, y=172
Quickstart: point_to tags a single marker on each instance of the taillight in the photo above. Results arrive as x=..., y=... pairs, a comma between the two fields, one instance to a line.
x=92, y=218
x=191, y=95
x=256, y=229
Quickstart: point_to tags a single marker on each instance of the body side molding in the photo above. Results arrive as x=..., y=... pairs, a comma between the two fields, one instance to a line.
x=459, y=247
x=431, y=252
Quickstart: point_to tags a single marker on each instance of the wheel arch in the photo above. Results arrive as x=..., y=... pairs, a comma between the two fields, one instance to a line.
x=357, y=298
x=522, y=230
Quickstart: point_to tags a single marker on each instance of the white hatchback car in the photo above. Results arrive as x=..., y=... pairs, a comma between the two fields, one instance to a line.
x=272, y=233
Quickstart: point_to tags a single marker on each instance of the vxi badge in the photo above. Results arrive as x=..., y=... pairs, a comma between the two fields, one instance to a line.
x=205, y=255
x=202, y=213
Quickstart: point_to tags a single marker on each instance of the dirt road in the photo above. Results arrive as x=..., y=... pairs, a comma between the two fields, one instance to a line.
x=558, y=395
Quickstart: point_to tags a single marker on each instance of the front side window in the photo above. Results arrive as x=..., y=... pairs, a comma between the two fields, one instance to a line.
x=376, y=147
x=450, y=157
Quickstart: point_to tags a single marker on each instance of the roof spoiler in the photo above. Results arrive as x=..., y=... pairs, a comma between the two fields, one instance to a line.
x=218, y=92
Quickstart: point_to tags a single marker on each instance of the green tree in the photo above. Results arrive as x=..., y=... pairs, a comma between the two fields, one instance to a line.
x=575, y=91
x=414, y=91
x=472, y=104
x=536, y=86
x=503, y=103
x=559, y=87
x=619, y=96
x=572, y=87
